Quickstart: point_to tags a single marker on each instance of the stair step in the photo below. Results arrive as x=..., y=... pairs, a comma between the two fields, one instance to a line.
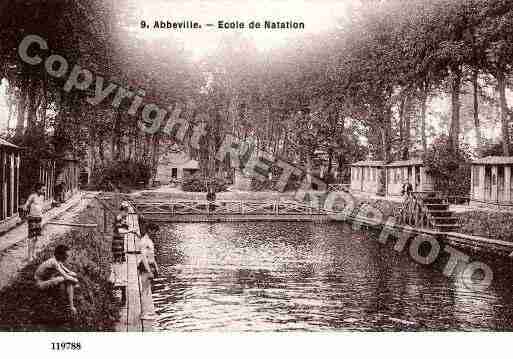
x=440, y=213
x=437, y=206
x=433, y=201
x=445, y=219
x=444, y=225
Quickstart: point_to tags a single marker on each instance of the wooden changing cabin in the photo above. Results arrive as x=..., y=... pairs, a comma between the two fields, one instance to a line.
x=412, y=171
x=9, y=184
x=491, y=181
x=366, y=177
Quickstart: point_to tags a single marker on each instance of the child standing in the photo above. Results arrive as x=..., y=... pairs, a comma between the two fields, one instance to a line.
x=118, y=251
x=34, y=207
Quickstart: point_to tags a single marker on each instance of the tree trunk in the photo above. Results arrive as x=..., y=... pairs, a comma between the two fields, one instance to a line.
x=454, y=130
x=404, y=127
x=91, y=159
x=504, y=112
x=22, y=105
x=9, y=115
x=401, y=121
x=330, y=162
x=116, y=136
x=101, y=152
x=407, y=129
x=423, y=110
x=386, y=136
x=33, y=104
x=477, y=125
x=155, y=155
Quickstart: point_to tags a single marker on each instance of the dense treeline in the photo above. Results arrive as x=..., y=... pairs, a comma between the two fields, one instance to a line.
x=364, y=89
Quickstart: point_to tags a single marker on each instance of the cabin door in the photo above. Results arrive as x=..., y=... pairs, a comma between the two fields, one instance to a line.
x=488, y=184
x=500, y=184
x=362, y=177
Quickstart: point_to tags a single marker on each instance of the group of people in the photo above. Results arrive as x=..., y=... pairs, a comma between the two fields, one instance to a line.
x=55, y=278
x=147, y=266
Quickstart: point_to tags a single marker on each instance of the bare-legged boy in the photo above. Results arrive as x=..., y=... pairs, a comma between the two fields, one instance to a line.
x=34, y=207
x=53, y=274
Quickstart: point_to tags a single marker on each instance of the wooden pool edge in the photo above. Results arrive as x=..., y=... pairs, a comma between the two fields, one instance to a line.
x=135, y=316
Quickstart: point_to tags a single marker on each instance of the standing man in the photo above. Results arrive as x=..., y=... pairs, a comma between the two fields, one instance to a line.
x=34, y=207
x=211, y=195
x=407, y=189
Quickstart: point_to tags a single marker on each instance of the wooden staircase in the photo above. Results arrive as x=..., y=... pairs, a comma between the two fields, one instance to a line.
x=428, y=209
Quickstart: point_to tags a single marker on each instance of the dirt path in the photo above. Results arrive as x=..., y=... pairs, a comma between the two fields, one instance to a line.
x=12, y=249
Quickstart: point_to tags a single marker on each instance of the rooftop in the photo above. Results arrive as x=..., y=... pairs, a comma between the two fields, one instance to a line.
x=367, y=164
x=405, y=163
x=494, y=160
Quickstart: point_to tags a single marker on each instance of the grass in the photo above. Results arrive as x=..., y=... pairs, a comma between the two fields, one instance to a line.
x=24, y=308
x=496, y=225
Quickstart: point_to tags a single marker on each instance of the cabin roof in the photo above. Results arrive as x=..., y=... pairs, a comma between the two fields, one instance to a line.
x=494, y=160
x=4, y=143
x=406, y=163
x=367, y=164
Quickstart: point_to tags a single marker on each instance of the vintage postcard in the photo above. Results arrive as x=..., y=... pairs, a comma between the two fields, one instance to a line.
x=299, y=166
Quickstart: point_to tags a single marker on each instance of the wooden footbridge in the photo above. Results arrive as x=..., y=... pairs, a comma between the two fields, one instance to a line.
x=422, y=213
x=179, y=210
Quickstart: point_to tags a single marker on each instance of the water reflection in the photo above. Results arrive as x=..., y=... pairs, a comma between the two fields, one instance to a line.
x=301, y=276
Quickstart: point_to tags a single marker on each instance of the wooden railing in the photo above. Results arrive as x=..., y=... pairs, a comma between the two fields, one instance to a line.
x=414, y=211
x=221, y=207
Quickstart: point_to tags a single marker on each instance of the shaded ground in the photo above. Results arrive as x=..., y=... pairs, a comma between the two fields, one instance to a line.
x=13, y=251
x=27, y=308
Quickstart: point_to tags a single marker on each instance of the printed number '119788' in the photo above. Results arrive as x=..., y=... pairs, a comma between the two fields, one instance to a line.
x=66, y=346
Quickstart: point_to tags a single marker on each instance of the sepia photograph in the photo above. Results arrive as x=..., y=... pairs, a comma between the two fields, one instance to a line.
x=332, y=166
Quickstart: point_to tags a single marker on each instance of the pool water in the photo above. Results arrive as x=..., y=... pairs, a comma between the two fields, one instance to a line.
x=284, y=276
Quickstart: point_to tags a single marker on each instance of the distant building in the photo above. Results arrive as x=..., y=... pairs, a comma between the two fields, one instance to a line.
x=9, y=184
x=491, y=180
x=366, y=177
x=413, y=171
x=376, y=178
x=175, y=166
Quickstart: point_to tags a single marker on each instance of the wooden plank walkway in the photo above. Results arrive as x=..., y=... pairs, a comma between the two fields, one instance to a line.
x=139, y=303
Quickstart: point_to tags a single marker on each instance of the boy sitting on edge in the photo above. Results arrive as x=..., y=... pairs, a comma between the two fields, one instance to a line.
x=53, y=274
